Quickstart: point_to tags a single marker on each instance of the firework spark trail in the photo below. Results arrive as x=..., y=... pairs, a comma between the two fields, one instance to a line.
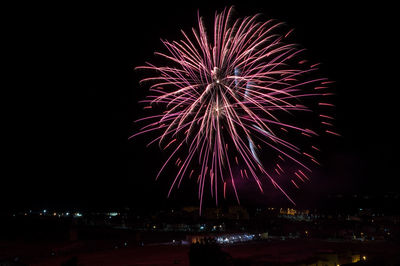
x=229, y=93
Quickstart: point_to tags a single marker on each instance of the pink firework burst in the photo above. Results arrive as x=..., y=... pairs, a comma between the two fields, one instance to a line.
x=226, y=102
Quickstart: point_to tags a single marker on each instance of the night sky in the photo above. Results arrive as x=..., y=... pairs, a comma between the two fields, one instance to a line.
x=71, y=99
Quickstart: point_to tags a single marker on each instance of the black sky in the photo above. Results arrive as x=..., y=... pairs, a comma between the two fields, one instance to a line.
x=71, y=97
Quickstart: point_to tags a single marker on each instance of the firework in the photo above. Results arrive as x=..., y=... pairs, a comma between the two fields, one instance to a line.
x=225, y=103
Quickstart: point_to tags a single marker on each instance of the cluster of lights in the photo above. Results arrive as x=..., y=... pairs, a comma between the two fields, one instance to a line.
x=47, y=213
x=230, y=239
x=213, y=228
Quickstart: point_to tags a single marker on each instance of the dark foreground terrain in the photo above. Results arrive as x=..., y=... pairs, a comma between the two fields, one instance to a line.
x=290, y=252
